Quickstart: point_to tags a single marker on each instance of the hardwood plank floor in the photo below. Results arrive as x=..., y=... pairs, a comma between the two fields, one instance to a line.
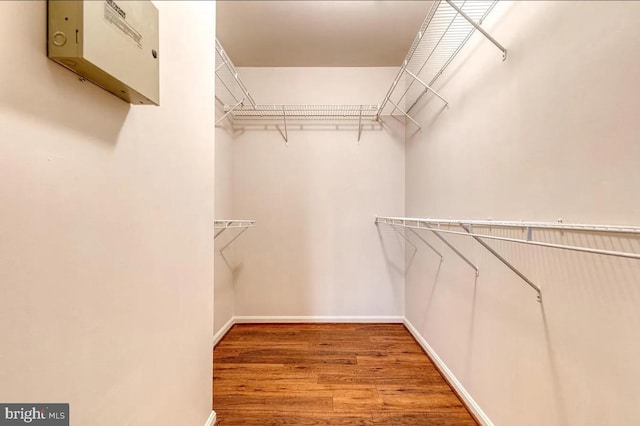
x=329, y=374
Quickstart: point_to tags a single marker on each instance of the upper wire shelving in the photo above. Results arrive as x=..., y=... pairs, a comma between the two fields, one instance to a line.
x=445, y=30
x=293, y=114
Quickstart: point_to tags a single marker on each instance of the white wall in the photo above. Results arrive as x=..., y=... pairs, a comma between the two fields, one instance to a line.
x=550, y=133
x=106, y=238
x=315, y=250
x=224, y=280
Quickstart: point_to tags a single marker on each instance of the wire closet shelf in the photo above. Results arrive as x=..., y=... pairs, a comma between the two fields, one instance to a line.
x=305, y=112
x=222, y=225
x=480, y=230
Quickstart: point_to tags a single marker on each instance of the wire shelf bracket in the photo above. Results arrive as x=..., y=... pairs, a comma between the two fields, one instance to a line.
x=360, y=123
x=222, y=225
x=286, y=132
x=469, y=228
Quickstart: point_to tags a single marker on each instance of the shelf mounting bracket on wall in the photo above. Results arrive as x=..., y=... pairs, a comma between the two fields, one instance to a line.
x=226, y=114
x=286, y=132
x=360, y=123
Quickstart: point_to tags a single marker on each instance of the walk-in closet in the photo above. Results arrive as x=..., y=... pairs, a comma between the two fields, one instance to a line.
x=478, y=191
x=319, y=212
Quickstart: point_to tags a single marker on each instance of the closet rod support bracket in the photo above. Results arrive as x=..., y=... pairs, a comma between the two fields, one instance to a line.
x=286, y=133
x=360, y=124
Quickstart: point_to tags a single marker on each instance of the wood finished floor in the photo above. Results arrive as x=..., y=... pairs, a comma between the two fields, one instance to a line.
x=329, y=374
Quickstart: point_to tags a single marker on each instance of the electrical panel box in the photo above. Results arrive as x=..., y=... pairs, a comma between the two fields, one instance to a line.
x=113, y=44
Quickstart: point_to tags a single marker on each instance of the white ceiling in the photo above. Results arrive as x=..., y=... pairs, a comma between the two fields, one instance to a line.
x=310, y=33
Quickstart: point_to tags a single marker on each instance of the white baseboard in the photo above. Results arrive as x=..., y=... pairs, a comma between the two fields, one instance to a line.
x=286, y=319
x=453, y=381
x=212, y=419
x=225, y=328
x=294, y=319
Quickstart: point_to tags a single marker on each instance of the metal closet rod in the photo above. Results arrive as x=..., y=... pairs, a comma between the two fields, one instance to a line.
x=468, y=226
